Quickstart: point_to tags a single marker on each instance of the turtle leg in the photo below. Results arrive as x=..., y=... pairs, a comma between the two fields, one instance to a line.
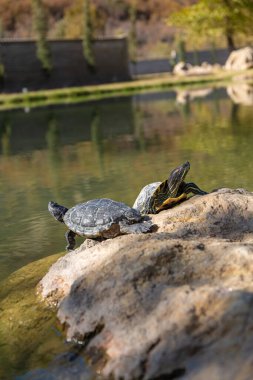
x=70, y=237
x=170, y=201
x=136, y=228
x=192, y=188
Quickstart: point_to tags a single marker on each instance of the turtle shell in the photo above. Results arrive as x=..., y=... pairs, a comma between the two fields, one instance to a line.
x=142, y=202
x=92, y=218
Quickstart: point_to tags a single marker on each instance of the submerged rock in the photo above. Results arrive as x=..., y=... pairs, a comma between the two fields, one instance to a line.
x=175, y=303
x=25, y=324
x=29, y=333
x=65, y=367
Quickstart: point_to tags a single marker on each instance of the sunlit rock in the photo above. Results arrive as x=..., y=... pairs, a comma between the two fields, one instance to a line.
x=183, y=68
x=241, y=93
x=177, y=302
x=241, y=59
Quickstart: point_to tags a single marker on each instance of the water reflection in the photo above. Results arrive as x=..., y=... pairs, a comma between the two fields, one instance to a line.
x=53, y=139
x=241, y=93
x=111, y=149
x=185, y=96
x=97, y=138
x=5, y=134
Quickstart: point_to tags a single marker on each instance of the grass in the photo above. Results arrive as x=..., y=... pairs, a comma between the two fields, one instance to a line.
x=95, y=92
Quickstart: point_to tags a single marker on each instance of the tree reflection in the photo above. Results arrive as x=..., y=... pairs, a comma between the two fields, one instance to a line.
x=5, y=135
x=234, y=116
x=97, y=138
x=54, y=154
x=53, y=139
x=138, y=128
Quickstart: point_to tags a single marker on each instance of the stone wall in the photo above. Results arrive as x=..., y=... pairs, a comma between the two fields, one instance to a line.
x=23, y=69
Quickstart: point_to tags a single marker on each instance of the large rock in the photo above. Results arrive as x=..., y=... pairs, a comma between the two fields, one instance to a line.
x=241, y=59
x=175, y=303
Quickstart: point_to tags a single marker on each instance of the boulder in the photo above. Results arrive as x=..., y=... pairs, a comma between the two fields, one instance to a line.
x=176, y=303
x=241, y=59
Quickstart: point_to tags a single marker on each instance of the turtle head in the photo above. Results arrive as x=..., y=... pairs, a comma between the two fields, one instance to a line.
x=176, y=178
x=57, y=211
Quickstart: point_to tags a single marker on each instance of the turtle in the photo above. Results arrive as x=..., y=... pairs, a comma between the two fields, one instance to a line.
x=158, y=196
x=99, y=219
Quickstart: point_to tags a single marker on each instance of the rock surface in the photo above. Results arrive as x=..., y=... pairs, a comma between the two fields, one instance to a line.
x=177, y=303
x=241, y=59
x=183, y=68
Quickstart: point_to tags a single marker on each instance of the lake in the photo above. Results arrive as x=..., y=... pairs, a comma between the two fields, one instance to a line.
x=112, y=148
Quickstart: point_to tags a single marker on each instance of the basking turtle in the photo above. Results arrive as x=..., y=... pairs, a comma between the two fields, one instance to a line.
x=158, y=196
x=99, y=218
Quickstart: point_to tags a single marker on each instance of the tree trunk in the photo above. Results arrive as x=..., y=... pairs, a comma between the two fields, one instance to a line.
x=229, y=30
x=230, y=41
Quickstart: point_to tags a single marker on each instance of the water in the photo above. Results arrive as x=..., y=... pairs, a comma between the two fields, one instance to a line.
x=111, y=149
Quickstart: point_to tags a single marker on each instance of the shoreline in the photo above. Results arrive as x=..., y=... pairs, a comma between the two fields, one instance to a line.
x=72, y=95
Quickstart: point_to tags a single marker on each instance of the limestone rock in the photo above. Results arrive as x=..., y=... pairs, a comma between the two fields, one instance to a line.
x=183, y=68
x=175, y=303
x=224, y=213
x=241, y=59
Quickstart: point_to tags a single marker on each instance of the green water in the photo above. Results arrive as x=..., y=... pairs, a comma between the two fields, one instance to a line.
x=111, y=149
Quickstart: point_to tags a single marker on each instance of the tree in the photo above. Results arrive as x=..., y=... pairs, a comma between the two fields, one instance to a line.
x=74, y=19
x=1, y=60
x=88, y=35
x=40, y=25
x=132, y=36
x=1, y=28
x=213, y=19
